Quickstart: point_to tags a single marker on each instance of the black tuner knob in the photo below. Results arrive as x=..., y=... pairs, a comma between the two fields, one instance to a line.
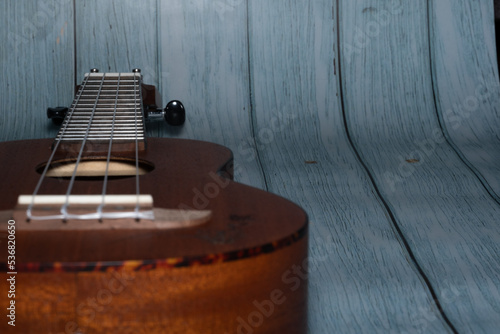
x=57, y=114
x=175, y=114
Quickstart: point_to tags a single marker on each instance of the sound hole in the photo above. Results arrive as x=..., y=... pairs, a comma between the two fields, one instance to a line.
x=96, y=169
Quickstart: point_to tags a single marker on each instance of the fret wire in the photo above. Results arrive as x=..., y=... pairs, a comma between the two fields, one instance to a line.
x=84, y=117
x=80, y=138
x=45, y=170
x=111, y=104
x=95, y=133
x=103, y=126
x=64, y=209
x=105, y=182
x=121, y=126
x=98, y=134
x=104, y=120
x=100, y=131
x=105, y=138
x=84, y=106
x=111, y=101
x=105, y=109
x=123, y=118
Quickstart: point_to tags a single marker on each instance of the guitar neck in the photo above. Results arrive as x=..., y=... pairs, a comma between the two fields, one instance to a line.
x=107, y=107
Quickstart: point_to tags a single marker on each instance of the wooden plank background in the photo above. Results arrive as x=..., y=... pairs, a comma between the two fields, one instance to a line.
x=36, y=61
x=380, y=118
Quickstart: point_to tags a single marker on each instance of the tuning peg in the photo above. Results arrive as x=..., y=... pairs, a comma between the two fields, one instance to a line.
x=57, y=114
x=175, y=114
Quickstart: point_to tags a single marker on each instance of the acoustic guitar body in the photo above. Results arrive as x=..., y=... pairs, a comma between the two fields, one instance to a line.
x=242, y=271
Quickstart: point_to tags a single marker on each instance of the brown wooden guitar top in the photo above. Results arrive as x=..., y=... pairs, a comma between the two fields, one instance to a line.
x=211, y=278
x=184, y=176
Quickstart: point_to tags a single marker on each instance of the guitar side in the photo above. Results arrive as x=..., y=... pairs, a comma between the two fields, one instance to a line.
x=244, y=271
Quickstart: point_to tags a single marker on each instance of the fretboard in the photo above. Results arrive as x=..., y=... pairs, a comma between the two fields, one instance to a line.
x=107, y=106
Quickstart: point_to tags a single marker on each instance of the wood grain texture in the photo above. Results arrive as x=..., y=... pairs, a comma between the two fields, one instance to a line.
x=467, y=86
x=447, y=217
x=36, y=61
x=193, y=300
x=362, y=280
x=117, y=36
x=204, y=63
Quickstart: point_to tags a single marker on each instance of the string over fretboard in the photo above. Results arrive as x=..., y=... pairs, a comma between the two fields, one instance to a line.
x=106, y=105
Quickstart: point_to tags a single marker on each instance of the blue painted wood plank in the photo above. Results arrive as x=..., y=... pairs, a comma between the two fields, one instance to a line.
x=204, y=63
x=117, y=36
x=448, y=219
x=361, y=279
x=466, y=83
x=36, y=61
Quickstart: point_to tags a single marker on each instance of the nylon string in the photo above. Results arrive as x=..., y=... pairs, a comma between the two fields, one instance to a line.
x=64, y=208
x=108, y=158
x=58, y=141
x=137, y=144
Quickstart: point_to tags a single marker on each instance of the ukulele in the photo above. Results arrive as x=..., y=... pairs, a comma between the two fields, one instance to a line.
x=106, y=231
